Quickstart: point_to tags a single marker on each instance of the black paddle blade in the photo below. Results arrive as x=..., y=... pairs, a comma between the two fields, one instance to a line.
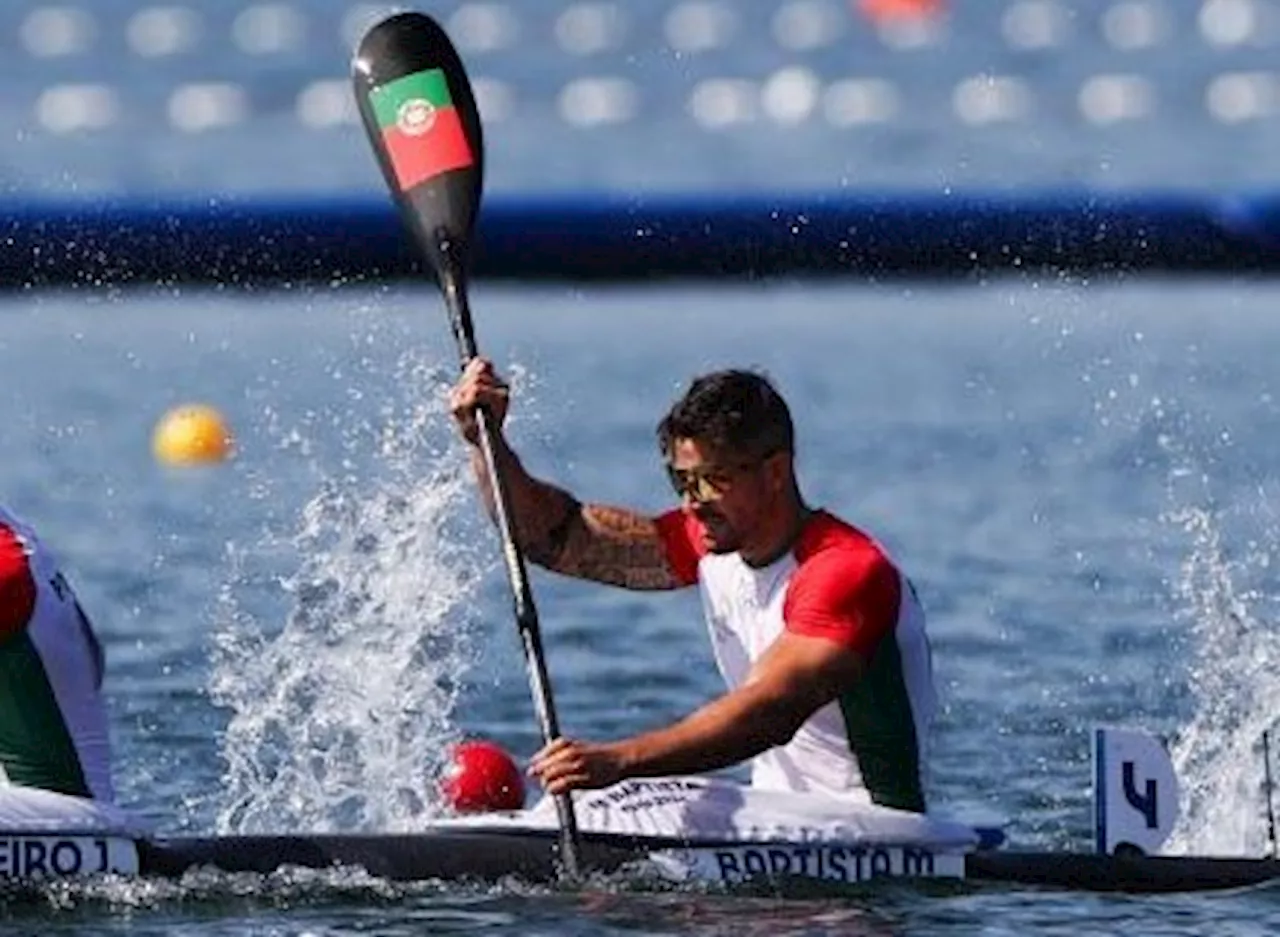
x=420, y=114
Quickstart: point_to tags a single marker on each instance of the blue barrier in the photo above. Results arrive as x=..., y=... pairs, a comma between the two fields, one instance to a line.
x=266, y=243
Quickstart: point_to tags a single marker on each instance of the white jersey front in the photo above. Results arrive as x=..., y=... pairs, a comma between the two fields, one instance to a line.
x=53, y=721
x=838, y=584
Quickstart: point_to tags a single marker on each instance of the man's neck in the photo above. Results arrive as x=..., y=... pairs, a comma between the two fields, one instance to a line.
x=779, y=537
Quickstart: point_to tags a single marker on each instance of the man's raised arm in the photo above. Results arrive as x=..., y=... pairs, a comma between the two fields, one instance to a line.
x=611, y=545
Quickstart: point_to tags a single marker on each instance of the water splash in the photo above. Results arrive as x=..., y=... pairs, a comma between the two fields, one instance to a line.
x=1217, y=755
x=338, y=719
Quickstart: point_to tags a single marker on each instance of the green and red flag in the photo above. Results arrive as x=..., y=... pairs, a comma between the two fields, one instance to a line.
x=421, y=129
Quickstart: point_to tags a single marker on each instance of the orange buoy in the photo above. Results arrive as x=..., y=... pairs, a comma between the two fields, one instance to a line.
x=192, y=434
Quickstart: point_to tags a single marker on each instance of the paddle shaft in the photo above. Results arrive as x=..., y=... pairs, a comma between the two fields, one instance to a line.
x=419, y=111
x=526, y=613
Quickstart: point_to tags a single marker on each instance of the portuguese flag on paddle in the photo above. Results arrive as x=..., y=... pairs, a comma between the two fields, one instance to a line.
x=420, y=128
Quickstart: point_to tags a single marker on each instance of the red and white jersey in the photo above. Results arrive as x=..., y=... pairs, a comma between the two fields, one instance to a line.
x=53, y=721
x=837, y=584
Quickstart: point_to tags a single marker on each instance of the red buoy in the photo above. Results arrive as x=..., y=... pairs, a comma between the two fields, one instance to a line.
x=481, y=776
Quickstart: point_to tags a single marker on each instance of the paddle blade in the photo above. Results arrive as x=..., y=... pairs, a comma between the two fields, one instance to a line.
x=419, y=111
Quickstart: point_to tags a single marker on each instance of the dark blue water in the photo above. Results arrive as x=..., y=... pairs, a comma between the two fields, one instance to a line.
x=1081, y=479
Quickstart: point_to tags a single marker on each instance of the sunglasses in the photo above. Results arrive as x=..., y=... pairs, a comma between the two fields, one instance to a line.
x=705, y=484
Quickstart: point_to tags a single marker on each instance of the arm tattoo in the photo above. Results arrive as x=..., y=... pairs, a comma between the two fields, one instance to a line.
x=611, y=545
x=558, y=535
x=544, y=548
x=614, y=546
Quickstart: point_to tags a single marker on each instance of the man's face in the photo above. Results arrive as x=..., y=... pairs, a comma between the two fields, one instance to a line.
x=728, y=493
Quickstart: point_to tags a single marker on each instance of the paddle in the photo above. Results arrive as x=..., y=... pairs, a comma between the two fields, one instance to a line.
x=420, y=114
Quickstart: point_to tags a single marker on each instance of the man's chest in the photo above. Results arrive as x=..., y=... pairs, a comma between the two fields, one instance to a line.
x=745, y=606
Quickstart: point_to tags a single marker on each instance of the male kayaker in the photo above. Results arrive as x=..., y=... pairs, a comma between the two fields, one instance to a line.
x=53, y=720
x=818, y=635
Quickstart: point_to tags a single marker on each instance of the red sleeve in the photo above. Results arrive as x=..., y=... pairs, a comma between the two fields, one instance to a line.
x=848, y=597
x=17, y=588
x=681, y=535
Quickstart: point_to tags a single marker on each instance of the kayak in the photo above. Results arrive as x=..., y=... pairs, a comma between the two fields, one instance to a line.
x=532, y=856
x=685, y=830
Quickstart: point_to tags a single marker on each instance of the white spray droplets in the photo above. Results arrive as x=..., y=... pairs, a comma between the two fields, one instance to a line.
x=339, y=716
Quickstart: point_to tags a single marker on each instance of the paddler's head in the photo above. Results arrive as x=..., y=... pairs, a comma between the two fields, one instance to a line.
x=728, y=445
x=481, y=776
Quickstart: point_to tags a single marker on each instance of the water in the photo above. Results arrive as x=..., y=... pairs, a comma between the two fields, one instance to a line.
x=1080, y=478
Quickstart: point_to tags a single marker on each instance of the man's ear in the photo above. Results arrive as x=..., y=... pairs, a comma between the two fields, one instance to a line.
x=779, y=470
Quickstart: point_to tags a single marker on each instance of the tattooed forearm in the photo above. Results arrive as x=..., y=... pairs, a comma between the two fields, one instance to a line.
x=606, y=544
x=540, y=513
x=615, y=546
x=548, y=543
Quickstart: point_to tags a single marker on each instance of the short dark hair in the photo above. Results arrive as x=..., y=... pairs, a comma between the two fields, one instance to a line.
x=733, y=411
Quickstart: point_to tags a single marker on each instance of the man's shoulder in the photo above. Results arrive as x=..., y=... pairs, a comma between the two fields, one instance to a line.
x=828, y=540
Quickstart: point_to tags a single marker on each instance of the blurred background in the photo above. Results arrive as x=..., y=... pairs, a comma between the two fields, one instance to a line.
x=228, y=96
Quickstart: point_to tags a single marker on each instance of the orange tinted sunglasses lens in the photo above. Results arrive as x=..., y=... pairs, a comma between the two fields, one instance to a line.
x=698, y=486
